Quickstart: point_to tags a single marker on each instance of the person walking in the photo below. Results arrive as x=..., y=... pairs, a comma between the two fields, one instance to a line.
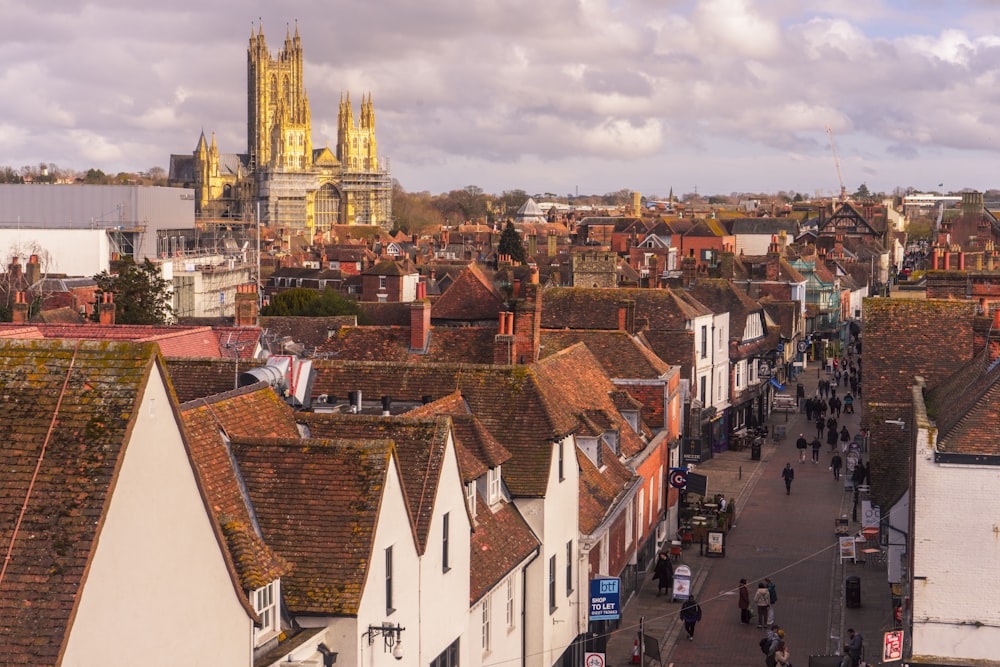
x=690, y=614
x=664, y=575
x=820, y=425
x=815, y=444
x=845, y=437
x=801, y=444
x=831, y=439
x=836, y=463
x=762, y=599
x=855, y=646
x=788, y=474
x=772, y=596
x=744, y=603
x=781, y=657
x=774, y=635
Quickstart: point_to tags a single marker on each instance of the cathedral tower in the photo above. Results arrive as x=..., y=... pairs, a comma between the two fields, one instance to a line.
x=278, y=119
x=356, y=147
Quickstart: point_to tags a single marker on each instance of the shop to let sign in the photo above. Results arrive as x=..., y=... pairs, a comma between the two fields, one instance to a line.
x=892, y=646
x=605, y=599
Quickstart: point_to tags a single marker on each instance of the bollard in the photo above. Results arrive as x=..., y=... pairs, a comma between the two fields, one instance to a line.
x=741, y=473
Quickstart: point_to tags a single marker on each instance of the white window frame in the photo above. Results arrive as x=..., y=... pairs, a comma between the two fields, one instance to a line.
x=642, y=513
x=628, y=524
x=510, y=602
x=265, y=603
x=493, y=484
x=470, y=496
x=486, y=635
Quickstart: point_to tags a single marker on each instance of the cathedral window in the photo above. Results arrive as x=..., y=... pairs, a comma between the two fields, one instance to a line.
x=274, y=87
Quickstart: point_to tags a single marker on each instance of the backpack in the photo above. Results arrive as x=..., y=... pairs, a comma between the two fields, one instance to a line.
x=765, y=645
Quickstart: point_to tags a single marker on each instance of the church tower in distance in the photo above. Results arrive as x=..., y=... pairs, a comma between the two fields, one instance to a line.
x=281, y=181
x=279, y=135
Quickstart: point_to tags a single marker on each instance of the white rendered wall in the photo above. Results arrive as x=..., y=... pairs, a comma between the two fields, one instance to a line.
x=158, y=591
x=555, y=521
x=75, y=252
x=956, y=557
x=394, y=530
x=444, y=595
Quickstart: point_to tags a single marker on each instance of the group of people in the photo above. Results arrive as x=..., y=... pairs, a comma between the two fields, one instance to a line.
x=764, y=598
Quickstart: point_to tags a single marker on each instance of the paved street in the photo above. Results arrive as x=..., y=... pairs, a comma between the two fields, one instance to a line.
x=789, y=538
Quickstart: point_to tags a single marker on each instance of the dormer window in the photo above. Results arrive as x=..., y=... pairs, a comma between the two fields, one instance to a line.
x=265, y=603
x=493, y=485
x=611, y=437
x=470, y=496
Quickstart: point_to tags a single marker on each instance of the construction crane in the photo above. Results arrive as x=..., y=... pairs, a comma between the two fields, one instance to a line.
x=836, y=162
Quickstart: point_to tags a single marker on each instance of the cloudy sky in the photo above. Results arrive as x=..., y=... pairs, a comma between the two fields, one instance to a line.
x=560, y=96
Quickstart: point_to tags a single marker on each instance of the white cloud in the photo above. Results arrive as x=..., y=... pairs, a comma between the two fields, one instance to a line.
x=595, y=93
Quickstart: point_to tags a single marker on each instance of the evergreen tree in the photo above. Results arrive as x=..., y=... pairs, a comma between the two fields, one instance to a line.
x=510, y=244
x=304, y=302
x=142, y=295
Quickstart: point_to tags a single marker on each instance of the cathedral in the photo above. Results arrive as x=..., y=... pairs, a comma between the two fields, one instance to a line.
x=281, y=179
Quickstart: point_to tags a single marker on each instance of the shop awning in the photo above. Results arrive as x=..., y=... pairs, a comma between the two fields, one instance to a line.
x=777, y=385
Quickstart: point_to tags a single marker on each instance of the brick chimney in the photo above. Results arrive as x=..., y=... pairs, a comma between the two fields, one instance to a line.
x=727, y=262
x=106, y=308
x=20, y=309
x=689, y=269
x=247, y=306
x=773, y=268
x=838, y=246
x=503, y=342
x=553, y=247
x=14, y=270
x=654, y=276
x=33, y=273
x=420, y=325
x=527, y=324
x=532, y=244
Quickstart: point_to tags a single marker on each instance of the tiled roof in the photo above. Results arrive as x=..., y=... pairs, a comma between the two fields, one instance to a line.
x=198, y=378
x=601, y=491
x=507, y=399
x=309, y=331
x=446, y=345
x=318, y=504
x=576, y=378
x=471, y=297
x=721, y=296
x=621, y=355
x=250, y=411
x=499, y=542
x=173, y=340
x=674, y=347
x=386, y=313
x=595, y=308
x=66, y=407
x=963, y=406
x=420, y=445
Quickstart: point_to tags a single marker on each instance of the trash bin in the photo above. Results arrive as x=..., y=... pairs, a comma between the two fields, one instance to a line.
x=755, y=449
x=852, y=592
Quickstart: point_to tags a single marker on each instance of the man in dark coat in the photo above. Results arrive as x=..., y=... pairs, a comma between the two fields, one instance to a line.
x=690, y=614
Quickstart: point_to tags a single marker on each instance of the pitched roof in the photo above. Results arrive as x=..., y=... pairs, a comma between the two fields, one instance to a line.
x=318, y=504
x=966, y=407
x=595, y=308
x=66, y=411
x=249, y=411
x=477, y=449
x=621, y=355
x=173, y=340
x=500, y=541
x=309, y=331
x=445, y=344
x=601, y=491
x=507, y=399
x=201, y=377
x=471, y=297
x=420, y=445
x=576, y=377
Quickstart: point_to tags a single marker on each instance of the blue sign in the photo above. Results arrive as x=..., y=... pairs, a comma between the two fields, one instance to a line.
x=781, y=348
x=605, y=601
